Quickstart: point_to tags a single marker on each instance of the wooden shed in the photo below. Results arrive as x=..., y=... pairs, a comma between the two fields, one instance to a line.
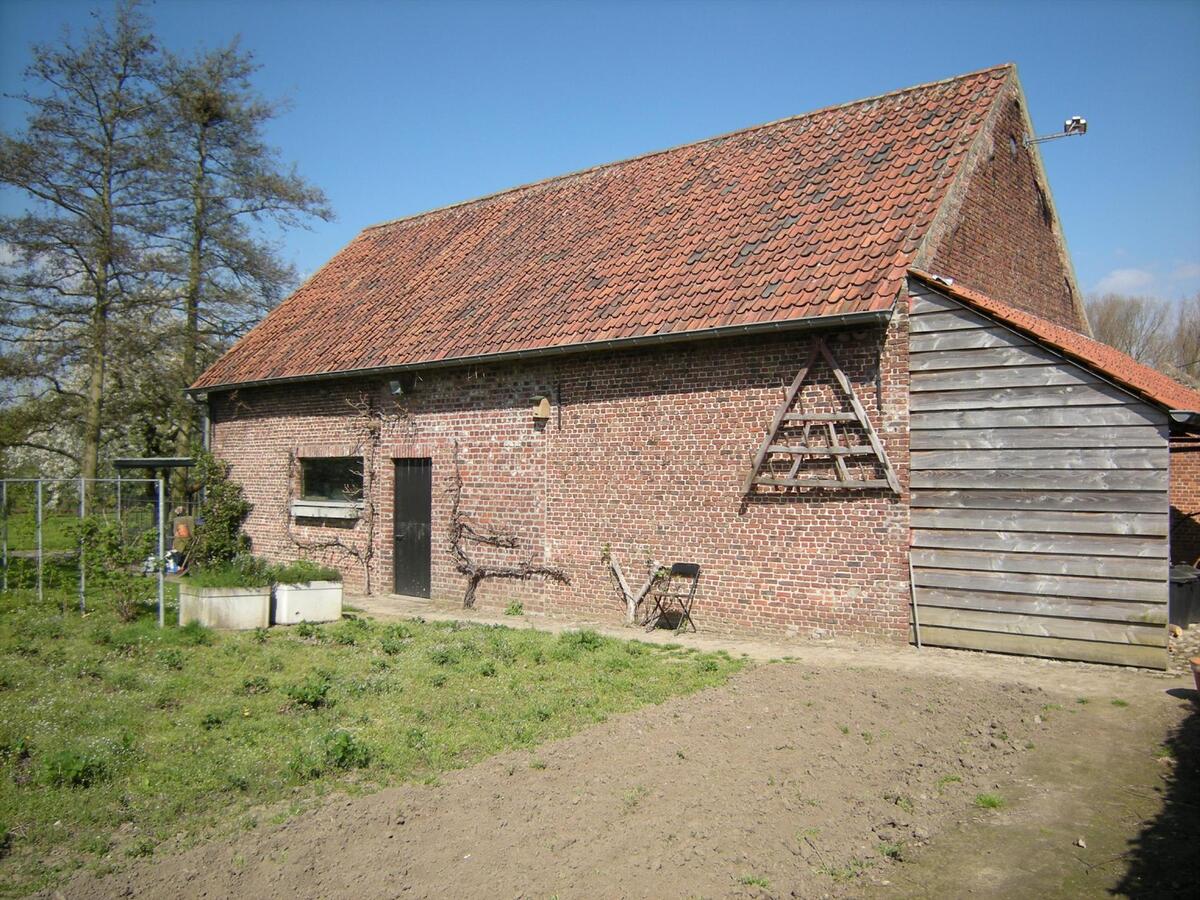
x=1040, y=485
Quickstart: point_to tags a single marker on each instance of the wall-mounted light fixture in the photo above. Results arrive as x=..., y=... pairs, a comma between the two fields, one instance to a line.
x=1076, y=125
x=404, y=383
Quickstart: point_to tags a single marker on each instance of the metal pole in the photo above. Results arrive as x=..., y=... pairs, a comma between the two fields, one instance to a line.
x=82, y=513
x=39, y=539
x=4, y=529
x=118, y=496
x=161, y=549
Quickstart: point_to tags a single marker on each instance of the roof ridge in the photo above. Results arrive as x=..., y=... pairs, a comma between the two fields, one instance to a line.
x=494, y=195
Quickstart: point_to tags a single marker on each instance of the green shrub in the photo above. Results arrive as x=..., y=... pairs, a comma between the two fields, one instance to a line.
x=391, y=645
x=15, y=748
x=241, y=572
x=171, y=657
x=337, y=750
x=312, y=692
x=141, y=847
x=195, y=634
x=211, y=720
x=349, y=632
x=443, y=654
x=581, y=640
x=70, y=768
x=112, y=562
x=303, y=571
x=219, y=537
x=255, y=684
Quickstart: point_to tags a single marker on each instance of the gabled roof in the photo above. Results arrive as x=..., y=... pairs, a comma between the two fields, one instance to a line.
x=817, y=215
x=1106, y=361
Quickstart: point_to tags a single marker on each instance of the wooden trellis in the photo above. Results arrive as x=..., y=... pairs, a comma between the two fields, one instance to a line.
x=800, y=436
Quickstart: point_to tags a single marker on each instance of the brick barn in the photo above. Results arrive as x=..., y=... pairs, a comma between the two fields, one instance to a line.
x=734, y=353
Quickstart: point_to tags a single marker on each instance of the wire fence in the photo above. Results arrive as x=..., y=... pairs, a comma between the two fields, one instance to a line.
x=40, y=534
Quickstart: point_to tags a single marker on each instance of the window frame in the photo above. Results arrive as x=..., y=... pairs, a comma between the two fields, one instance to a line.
x=332, y=503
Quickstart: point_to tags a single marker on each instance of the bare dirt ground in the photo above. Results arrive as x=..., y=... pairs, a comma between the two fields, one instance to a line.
x=844, y=773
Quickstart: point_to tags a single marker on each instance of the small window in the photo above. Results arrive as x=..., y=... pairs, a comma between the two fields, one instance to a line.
x=335, y=479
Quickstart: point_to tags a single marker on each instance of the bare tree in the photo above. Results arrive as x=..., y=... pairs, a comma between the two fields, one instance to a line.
x=1159, y=333
x=1134, y=325
x=75, y=256
x=1185, y=343
x=225, y=183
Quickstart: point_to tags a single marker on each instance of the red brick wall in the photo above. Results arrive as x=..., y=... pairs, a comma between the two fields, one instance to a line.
x=1185, y=500
x=999, y=236
x=644, y=450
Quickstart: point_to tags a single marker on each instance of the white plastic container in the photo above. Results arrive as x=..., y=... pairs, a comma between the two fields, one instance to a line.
x=315, y=601
x=237, y=608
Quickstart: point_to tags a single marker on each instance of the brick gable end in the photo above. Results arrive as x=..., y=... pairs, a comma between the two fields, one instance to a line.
x=1000, y=234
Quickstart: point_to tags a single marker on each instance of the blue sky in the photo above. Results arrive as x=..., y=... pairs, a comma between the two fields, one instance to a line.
x=399, y=107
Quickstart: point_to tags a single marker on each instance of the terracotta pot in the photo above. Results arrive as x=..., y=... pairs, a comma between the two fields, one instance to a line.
x=1195, y=661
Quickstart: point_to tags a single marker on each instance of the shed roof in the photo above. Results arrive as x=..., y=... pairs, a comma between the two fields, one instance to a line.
x=817, y=215
x=1107, y=361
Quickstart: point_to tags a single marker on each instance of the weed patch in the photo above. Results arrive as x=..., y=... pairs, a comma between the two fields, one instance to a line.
x=989, y=801
x=312, y=692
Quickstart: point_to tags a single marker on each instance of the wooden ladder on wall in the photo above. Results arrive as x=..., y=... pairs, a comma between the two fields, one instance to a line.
x=798, y=436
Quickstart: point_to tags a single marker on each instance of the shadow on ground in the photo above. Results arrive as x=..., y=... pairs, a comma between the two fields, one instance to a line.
x=1162, y=857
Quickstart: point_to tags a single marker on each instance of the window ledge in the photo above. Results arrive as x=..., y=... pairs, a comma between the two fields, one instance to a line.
x=326, y=509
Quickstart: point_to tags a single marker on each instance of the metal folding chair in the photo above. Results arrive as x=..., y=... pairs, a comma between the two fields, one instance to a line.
x=678, y=592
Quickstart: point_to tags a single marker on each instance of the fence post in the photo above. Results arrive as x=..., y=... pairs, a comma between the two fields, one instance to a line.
x=161, y=549
x=118, y=497
x=39, y=539
x=82, y=514
x=4, y=529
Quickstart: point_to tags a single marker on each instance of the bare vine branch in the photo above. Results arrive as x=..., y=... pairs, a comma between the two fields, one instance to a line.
x=464, y=534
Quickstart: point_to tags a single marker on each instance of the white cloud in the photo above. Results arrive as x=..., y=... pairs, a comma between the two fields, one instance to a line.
x=1181, y=281
x=1186, y=272
x=1126, y=281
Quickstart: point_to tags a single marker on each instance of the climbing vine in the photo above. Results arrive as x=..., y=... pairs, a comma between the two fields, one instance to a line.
x=368, y=423
x=465, y=536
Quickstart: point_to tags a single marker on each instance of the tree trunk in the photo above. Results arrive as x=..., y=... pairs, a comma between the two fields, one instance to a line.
x=93, y=416
x=191, y=312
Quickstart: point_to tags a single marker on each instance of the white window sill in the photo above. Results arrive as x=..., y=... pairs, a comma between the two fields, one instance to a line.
x=326, y=509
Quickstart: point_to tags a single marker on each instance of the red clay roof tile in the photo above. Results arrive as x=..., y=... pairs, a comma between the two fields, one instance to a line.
x=828, y=207
x=1107, y=361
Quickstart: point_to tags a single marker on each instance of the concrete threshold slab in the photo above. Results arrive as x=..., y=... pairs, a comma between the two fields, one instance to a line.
x=1057, y=675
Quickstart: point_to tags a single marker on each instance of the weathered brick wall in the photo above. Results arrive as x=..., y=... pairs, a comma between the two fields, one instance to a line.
x=1185, y=500
x=645, y=450
x=998, y=232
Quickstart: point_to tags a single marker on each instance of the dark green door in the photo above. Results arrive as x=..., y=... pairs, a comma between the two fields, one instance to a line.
x=412, y=526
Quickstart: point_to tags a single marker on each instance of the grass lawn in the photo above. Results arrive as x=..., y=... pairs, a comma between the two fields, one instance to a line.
x=115, y=737
x=58, y=531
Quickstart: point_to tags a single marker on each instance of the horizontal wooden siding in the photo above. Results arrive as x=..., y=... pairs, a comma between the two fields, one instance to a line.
x=1039, y=497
